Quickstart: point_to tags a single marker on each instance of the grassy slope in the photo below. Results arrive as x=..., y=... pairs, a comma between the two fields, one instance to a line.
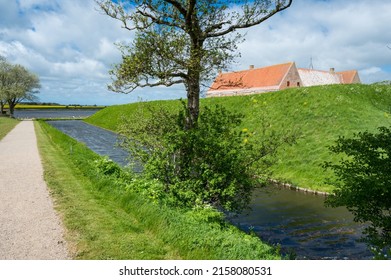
x=6, y=125
x=104, y=221
x=320, y=114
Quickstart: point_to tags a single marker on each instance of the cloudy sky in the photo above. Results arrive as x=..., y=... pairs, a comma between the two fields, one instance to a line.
x=70, y=44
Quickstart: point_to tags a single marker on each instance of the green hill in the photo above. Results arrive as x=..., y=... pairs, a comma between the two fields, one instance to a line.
x=320, y=114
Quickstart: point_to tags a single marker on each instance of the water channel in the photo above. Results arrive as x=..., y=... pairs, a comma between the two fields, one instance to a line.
x=53, y=113
x=101, y=141
x=298, y=222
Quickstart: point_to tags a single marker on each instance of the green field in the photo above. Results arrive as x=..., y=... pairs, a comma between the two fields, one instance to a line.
x=6, y=125
x=319, y=114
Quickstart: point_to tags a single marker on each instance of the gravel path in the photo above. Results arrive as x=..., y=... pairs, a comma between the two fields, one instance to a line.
x=29, y=226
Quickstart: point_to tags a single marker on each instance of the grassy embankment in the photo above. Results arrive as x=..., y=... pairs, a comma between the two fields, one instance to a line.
x=319, y=114
x=104, y=221
x=6, y=125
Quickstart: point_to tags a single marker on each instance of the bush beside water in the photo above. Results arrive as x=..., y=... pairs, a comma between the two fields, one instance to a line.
x=173, y=233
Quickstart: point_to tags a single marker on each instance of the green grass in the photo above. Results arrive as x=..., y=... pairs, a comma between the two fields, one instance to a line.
x=104, y=221
x=319, y=114
x=6, y=125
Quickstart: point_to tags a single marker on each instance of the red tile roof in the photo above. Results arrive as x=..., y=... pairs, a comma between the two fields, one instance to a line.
x=252, y=78
x=348, y=76
x=270, y=78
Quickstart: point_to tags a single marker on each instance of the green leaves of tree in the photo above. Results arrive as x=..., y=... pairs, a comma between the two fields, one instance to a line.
x=364, y=182
x=182, y=41
x=214, y=164
x=16, y=84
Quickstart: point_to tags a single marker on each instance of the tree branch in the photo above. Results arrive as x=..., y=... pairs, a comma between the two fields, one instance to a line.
x=279, y=8
x=159, y=20
x=128, y=88
x=162, y=83
x=178, y=6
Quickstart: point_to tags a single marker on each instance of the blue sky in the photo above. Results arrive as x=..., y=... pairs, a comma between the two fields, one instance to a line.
x=70, y=44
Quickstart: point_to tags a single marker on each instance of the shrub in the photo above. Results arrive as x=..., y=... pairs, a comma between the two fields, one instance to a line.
x=363, y=183
x=105, y=167
x=214, y=163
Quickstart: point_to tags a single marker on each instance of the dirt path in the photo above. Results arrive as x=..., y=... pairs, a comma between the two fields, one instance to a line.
x=29, y=226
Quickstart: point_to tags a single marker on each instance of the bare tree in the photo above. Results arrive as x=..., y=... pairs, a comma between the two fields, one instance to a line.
x=182, y=41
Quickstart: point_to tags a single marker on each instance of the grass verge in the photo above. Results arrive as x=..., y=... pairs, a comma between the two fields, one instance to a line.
x=6, y=125
x=104, y=221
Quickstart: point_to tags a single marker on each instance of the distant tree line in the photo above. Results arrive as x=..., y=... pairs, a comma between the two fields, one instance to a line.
x=16, y=84
x=386, y=82
x=40, y=103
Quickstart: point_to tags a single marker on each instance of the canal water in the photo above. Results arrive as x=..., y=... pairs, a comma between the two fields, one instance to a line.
x=101, y=141
x=53, y=113
x=298, y=222
x=302, y=225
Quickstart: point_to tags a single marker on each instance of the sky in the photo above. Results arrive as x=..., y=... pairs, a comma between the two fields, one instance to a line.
x=70, y=45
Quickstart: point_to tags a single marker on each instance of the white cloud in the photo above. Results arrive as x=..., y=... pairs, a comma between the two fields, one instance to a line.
x=70, y=44
x=89, y=68
x=371, y=70
x=28, y=4
x=348, y=35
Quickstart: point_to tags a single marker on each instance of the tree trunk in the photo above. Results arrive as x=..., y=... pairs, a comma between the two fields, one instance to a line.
x=1, y=107
x=193, y=84
x=11, y=105
x=193, y=101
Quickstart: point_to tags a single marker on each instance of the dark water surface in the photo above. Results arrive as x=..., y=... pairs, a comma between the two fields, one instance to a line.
x=297, y=221
x=101, y=141
x=53, y=113
x=302, y=224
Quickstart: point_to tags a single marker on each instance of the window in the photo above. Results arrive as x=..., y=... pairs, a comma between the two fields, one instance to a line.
x=298, y=84
x=288, y=83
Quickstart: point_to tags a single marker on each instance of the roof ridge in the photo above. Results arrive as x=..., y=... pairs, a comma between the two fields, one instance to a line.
x=252, y=69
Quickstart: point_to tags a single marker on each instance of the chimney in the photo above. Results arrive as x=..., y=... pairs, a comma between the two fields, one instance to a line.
x=251, y=66
x=332, y=71
x=220, y=71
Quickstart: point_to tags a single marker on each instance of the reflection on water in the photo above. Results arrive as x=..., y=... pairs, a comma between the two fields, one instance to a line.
x=300, y=223
x=297, y=221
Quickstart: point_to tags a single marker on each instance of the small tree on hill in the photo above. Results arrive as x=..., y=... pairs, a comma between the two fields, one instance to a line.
x=364, y=183
x=182, y=41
